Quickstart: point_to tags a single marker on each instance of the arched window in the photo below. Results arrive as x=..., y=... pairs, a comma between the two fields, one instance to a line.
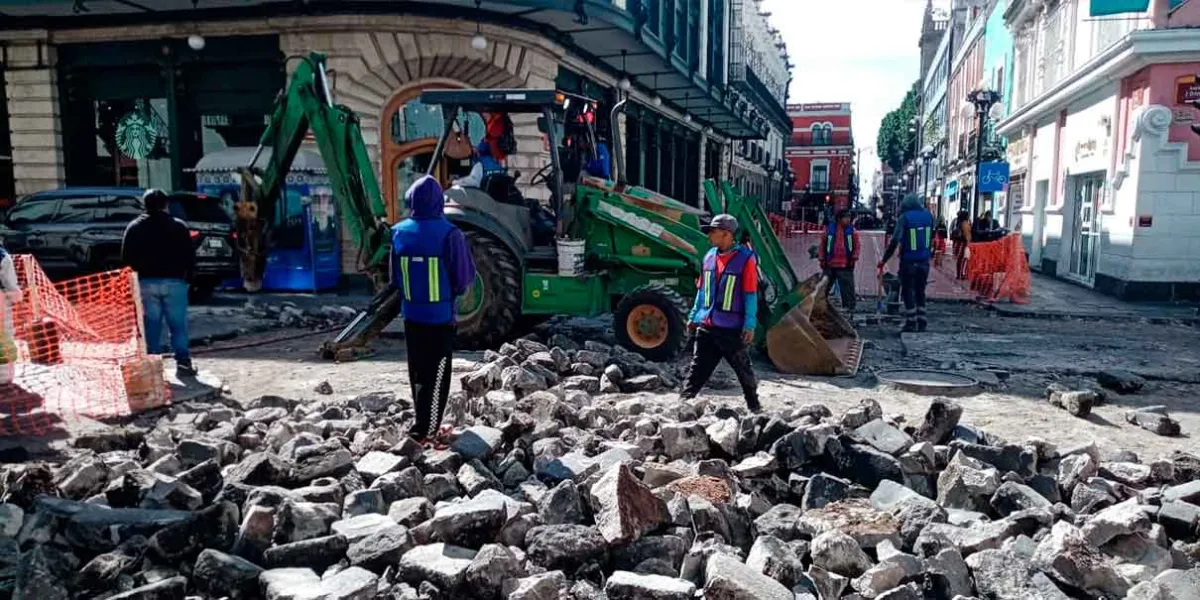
x=411, y=131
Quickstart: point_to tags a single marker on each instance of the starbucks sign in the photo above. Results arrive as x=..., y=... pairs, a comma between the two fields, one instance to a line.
x=137, y=134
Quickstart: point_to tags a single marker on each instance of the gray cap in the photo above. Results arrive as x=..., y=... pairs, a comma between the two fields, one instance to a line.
x=722, y=221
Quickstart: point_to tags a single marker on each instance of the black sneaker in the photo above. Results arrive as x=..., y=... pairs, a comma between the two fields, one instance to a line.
x=922, y=325
x=185, y=369
x=909, y=327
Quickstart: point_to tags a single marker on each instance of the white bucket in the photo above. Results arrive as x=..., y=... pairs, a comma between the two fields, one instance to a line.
x=570, y=257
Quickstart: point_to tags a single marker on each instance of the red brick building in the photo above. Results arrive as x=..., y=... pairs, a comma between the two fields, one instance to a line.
x=821, y=151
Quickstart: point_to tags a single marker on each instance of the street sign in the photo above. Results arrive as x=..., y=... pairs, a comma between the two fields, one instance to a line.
x=993, y=176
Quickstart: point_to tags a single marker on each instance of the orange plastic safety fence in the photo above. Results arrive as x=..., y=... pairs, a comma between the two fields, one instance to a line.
x=73, y=348
x=998, y=270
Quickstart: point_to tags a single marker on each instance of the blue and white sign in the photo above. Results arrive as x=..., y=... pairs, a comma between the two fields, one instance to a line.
x=993, y=177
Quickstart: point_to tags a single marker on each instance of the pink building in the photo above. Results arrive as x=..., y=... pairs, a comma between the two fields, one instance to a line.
x=1101, y=121
x=820, y=152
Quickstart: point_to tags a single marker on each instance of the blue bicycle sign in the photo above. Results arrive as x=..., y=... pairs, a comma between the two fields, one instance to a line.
x=993, y=176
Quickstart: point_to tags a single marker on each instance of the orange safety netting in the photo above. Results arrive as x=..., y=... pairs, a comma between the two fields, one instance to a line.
x=998, y=270
x=73, y=348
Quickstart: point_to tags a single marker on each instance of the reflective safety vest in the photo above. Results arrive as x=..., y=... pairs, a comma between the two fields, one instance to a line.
x=917, y=237
x=829, y=240
x=722, y=299
x=420, y=272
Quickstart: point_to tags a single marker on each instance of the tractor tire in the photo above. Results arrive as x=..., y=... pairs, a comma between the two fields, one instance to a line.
x=492, y=323
x=652, y=321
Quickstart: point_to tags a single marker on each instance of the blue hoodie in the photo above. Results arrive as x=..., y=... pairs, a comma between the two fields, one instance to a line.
x=428, y=234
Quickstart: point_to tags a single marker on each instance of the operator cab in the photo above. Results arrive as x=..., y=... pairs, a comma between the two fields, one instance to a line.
x=499, y=196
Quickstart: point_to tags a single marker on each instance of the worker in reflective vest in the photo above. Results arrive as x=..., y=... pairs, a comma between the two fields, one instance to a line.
x=914, y=235
x=838, y=254
x=724, y=314
x=431, y=267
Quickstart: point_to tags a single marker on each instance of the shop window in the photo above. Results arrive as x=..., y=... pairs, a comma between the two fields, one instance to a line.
x=633, y=151
x=132, y=143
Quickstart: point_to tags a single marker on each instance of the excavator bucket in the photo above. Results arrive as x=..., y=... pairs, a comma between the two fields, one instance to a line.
x=813, y=338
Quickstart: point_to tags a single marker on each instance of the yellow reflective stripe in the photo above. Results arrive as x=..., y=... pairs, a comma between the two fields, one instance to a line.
x=708, y=299
x=730, y=284
x=912, y=239
x=849, y=244
x=435, y=293
x=404, y=277
x=928, y=233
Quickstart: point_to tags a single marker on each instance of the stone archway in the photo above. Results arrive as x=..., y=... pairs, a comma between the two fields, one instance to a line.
x=372, y=68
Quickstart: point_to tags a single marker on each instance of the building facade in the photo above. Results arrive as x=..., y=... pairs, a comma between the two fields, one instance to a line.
x=935, y=102
x=759, y=71
x=1100, y=119
x=194, y=78
x=821, y=154
x=966, y=74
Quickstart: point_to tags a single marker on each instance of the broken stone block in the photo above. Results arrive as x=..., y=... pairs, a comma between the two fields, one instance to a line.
x=1184, y=492
x=561, y=505
x=726, y=577
x=883, y=437
x=624, y=585
x=1002, y=574
x=967, y=484
x=1011, y=497
x=976, y=537
x=1179, y=519
x=317, y=554
x=780, y=522
x=758, y=465
x=857, y=416
x=442, y=564
x=1125, y=518
x=543, y=586
x=380, y=549
x=1155, y=420
x=1077, y=402
x=952, y=572
x=490, y=568
x=374, y=463
x=1005, y=458
x=941, y=418
x=772, y=557
x=823, y=489
x=888, y=575
x=724, y=435
x=1067, y=556
x=1168, y=585
x=564, y=546
x=684, y=441
x=855, y=517
x=219, y=573
x=839, y=553
x=470, y=523
x=1138, y=558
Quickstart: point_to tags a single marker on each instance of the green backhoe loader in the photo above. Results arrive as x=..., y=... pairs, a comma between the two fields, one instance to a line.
x=611, y=247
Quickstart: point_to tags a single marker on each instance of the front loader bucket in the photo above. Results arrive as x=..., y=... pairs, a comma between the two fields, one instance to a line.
x=813, y=338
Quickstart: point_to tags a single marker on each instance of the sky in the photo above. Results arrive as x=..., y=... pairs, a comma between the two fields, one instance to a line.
x=859, y=51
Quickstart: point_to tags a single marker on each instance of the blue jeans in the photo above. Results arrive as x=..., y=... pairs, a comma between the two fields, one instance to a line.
x=166, y=298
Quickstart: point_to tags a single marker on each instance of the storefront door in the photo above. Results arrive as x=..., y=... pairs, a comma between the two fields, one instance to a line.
x=1085, y=232
x=1041, y=191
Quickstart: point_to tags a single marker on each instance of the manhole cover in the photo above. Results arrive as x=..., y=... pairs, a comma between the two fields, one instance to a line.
x=921, y=381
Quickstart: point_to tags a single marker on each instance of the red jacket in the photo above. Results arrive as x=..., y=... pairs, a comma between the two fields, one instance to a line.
x=834, y=253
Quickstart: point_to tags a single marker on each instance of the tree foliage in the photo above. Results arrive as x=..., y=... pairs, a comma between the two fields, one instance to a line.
x=896, y=145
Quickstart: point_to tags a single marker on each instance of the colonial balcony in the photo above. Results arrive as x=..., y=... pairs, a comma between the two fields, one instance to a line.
x=666, y=46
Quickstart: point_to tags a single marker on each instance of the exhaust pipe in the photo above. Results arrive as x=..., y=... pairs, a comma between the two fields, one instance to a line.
x=618, y=158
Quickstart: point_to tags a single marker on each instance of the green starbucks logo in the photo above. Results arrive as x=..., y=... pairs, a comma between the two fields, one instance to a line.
x=137, y=135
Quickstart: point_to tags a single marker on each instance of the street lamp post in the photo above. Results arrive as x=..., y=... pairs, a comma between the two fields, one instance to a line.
x=927, y=155
x=983, y=99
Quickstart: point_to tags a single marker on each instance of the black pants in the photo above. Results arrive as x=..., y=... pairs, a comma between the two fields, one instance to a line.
x=713, y=344
x=429, y=351
x=844, y=277
x=914, y=276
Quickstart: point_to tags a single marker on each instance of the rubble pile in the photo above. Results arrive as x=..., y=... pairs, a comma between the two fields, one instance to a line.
x=289, y=314
x=1079, y=402
x=550, y=490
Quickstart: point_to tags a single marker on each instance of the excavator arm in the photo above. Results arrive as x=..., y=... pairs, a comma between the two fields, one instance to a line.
x=307, y=105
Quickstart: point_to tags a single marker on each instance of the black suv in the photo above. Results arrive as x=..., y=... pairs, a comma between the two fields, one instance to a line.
x=76, y=231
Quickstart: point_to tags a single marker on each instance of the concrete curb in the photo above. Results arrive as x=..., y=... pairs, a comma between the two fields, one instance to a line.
x=1088, y=316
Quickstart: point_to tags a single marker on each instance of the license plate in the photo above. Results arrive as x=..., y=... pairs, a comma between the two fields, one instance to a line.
x=214, y=243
